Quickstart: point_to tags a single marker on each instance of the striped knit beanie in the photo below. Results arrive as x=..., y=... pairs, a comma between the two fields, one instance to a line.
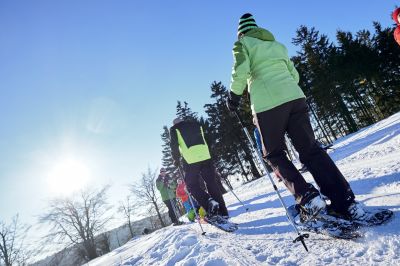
x=177, y=120
x=246, y=23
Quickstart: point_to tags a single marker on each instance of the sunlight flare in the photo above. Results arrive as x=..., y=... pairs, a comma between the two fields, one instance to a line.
x=67, y=176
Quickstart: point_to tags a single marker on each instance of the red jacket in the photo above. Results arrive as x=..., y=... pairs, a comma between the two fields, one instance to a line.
x=181, y=192
x=397, y=34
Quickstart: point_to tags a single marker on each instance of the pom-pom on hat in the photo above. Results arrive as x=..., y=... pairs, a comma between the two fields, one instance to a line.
x=246, y=23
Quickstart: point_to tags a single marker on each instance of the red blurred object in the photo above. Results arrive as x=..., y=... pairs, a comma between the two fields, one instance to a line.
x=395, y=15
x=396, y=34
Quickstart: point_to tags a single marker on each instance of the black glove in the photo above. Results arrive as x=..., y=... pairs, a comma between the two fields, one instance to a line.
x=233, y=101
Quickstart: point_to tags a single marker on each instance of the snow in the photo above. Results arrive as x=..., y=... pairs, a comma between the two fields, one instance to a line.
x=370, y=160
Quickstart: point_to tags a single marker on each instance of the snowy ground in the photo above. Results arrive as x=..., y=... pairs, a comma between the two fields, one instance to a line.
x=370, y=160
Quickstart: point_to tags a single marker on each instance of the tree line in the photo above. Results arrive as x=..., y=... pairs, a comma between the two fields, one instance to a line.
x=351, y=83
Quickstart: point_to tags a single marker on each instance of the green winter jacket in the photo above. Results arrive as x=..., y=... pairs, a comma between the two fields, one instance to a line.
x=167, y=189
x=263, y=64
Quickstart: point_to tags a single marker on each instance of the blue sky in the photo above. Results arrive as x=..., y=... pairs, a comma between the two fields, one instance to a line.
x=93, y=82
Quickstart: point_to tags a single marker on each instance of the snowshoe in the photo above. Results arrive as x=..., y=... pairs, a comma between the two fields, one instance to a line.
x=178, y=223
x=364, y=217
x=323, y=224
x=221, y=223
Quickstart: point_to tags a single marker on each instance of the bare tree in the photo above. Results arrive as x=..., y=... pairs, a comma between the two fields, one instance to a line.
x=77, y=220
x=127, y=208
x=104, y=245
x=146, y=192
x=154, y=220
x=12, y=238
x=58, y=257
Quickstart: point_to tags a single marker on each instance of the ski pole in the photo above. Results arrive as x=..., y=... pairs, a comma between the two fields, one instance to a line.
x=192, y=203
x=290, y=147
x=195, y=212
x=234, y=194
x=300, y=236
x=173, y=206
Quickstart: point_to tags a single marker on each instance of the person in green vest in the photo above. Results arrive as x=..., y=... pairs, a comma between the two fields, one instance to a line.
x=262, y=65
x=167, y=186
x=188, y=141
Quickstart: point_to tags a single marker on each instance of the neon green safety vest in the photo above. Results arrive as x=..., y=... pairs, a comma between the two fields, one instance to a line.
x=196, y=153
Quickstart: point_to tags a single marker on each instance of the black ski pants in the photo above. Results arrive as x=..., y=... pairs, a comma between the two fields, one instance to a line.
x=292, y=118
x=171, y=212
x=205, y=170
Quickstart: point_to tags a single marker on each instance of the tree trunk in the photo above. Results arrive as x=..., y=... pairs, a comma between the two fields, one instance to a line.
x=319, y=123
x=90, y=249
x=351, y=124
x=254, y=169
x=342, y=127
x=130, y=228
x=241, y=165
x=159, y=214
x=328, y=123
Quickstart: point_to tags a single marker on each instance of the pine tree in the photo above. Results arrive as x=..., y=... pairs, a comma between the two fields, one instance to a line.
x=167, y=160
x=229, y=145
x=385, y=84
x=318, y=80
x=220, y=137
x=349, y=85
x=184, y=112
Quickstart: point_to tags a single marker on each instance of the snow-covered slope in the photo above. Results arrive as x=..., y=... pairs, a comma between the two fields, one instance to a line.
x=370, y=160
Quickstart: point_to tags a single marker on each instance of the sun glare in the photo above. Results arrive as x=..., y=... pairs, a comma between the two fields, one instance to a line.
x=68, y=176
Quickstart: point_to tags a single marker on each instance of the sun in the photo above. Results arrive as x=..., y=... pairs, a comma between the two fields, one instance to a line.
x=67, y=176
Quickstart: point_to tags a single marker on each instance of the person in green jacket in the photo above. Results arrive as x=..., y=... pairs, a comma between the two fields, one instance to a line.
x=262, y=65
x=167, y=186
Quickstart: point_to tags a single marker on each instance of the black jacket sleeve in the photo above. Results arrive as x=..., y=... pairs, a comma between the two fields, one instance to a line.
x=174, y=144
